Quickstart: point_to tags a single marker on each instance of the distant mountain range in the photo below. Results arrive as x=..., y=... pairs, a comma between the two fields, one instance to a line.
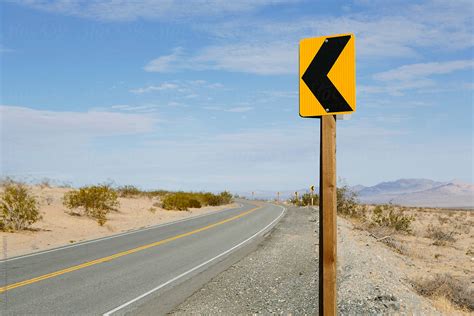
x=410, y=192
x=419, y=192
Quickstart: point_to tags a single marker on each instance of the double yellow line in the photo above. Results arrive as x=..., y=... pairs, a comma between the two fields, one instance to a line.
x=119, y=254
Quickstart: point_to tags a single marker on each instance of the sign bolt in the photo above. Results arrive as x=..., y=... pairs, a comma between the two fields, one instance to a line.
x=327, y=110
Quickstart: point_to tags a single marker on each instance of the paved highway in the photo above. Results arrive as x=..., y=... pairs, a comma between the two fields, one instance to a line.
x=123, y=274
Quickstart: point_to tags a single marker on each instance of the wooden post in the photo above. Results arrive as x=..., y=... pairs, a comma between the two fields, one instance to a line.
x=327, y=217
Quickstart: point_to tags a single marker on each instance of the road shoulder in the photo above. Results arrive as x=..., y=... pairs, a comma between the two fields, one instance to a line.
x=281, y=276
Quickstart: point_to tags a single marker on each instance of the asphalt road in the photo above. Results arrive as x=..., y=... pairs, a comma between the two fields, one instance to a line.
x=126, y=273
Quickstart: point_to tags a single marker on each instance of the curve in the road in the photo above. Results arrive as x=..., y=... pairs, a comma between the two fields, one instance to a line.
x=120, y=254
x=115, y=274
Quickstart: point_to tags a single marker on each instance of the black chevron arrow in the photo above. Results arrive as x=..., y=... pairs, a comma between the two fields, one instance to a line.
x=316, y=76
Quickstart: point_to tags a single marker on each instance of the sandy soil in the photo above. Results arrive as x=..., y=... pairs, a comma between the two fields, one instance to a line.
x=441, y=244
x=58, y=228
x=453, y=254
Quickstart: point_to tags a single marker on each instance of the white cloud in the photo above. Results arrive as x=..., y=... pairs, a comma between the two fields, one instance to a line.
x=423, y=70
x=161, y=87
x=269, y=47
x=264, y=59
x=165, y=63
x=416, y=77
x=240, y=109
x=144, y=108
x=396, y=88
x=236, y=109
x=6, y=50
x=26, y=124
x=213, y=108
x=64, y=144
x=259, y=58
x=126, y=10
x=187, y=86
x=401, y=31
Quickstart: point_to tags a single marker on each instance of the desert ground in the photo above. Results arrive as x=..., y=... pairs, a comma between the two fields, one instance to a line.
x=59, y=227
x=437, y=254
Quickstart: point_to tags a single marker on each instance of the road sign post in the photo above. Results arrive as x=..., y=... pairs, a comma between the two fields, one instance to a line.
x=327, y=217
x=327, y=88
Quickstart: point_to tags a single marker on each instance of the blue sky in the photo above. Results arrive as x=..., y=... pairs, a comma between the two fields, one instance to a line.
x=203, y=95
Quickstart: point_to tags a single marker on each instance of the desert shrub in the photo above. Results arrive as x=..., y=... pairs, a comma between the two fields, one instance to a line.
x=306, y=199
x=208, y=198
x=128, y=191
x=193, y=203
x=226, y=197
x=180, y=201
x=18, y=208
x=95, y=201
x=347, y=203
x=183, y=200
x=440, y=236
x=456, y=290
x=442, y=219
x=388, y=216
x=155, y=193
x=45, y=183
x=296, y=201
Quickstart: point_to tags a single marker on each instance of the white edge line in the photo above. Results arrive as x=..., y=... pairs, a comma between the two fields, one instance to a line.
x=195, y=268
x=139, y=230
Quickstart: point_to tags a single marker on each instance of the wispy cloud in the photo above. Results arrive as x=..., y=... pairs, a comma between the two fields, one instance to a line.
x=165, y=63
x=161, y=87
x=420, y=76
x=144, y=108
x=125, y=10
x=258, y=58
x=423, y=70
x=26, y=124
x=4, y=49
x=236, y=109
x=269, y=47
x=240, y=109
x=182, y=86
x=403, y=31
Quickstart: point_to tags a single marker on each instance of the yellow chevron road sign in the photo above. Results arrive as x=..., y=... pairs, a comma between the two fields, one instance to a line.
x=327, y=75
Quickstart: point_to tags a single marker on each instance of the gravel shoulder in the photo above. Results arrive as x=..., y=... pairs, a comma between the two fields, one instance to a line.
x=281, y=276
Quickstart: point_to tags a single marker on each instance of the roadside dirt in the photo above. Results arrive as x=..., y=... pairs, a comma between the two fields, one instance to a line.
x=437, y=254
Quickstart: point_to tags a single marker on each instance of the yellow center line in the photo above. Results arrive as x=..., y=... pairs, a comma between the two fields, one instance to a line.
x=120, y=254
